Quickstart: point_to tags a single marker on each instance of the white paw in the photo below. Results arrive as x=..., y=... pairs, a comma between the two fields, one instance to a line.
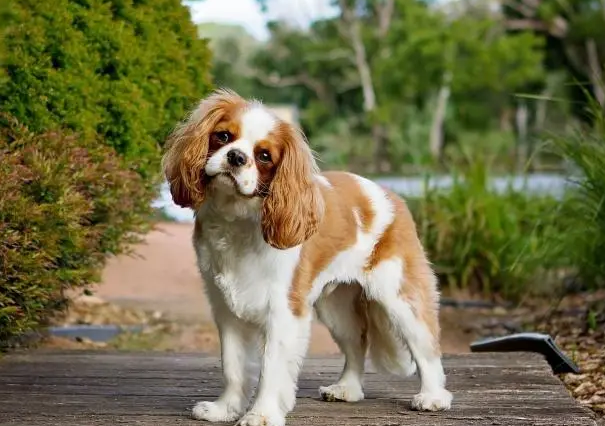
x=434, y=401
x=257, y=419
x=215, y=412
x=337, y=392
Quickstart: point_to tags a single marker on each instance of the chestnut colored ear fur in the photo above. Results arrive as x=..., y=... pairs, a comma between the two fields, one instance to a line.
x=294, y=208
x=187, y=148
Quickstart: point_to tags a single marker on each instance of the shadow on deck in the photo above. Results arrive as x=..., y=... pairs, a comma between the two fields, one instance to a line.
x=97, y=388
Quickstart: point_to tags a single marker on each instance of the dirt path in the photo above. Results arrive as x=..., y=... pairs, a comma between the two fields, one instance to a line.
x=162, y=276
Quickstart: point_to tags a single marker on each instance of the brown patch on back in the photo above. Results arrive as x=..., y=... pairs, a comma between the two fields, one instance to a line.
x=419, y=287
x=337, y=232
x=350, y=189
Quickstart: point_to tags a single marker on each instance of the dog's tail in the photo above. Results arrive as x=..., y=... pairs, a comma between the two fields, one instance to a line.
x=387, y=351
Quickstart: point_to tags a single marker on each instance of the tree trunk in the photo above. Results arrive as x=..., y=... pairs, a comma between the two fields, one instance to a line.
x=437, y=125
x=382, y=163
x=504, y=120
x=353, y=29
x=541, y=109
x=521, y=120
x=353, y=32
x=595, y=72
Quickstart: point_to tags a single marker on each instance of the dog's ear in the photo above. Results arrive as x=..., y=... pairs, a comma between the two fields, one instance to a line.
x=187, y=148
x=294, y=207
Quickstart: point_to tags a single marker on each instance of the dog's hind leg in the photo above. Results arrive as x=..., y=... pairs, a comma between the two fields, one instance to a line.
x=407, y=294
x=343, y=312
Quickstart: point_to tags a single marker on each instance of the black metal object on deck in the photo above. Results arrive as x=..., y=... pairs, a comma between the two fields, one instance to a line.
x=529, y=342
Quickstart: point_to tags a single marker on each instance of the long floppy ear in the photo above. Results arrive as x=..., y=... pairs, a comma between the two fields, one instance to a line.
x=187, y=148
x=294, y=207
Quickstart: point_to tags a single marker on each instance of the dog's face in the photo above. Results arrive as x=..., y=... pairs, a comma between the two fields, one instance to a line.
x=240, y=148
x=244, y=149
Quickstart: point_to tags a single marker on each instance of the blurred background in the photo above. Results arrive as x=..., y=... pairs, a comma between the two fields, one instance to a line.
x=487, y=116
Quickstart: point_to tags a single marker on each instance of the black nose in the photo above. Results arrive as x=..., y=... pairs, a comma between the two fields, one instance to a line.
x=236, y=158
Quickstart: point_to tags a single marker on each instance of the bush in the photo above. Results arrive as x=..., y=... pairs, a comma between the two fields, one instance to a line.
x=122, y=71
x=65, y=203
x=488, y=242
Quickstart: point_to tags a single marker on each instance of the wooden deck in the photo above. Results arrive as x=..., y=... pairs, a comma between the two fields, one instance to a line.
x=92, y=388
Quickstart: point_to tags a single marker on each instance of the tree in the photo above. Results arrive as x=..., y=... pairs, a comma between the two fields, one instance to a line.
x=312, y=69
x=232, y=49
x=575, y=34
x=380, y=14
x=383, y=68
x=445, y=57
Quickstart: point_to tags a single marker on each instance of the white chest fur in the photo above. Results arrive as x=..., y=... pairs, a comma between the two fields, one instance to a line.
x=252, y=276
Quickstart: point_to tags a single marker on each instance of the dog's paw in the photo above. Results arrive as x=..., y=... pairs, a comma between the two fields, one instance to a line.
x=341, y=392
x=434, y=401
x=214, y=412
x=253, y=418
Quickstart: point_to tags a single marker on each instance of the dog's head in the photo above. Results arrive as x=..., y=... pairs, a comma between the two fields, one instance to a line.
x=231, y=145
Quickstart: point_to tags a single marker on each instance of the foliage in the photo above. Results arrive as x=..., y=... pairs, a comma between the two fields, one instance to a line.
x=574, y=31
x=233, y=48
x=121, y=70
x=485, y=241
x=421, y=46
x=483, y=53
x=487, y=64
x=65, y=203
x=5, y=15
x=584, y=211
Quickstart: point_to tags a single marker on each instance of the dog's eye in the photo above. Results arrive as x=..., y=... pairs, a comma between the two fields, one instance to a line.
x=264, y=156
x=223, y=137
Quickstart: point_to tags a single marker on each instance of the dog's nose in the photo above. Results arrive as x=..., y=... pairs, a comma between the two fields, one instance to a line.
x=236, y=158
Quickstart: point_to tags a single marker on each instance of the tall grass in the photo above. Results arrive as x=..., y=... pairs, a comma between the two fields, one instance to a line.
x=484, y=241
x=583, y=213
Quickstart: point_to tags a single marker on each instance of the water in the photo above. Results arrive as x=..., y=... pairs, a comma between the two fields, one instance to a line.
x=551, y=184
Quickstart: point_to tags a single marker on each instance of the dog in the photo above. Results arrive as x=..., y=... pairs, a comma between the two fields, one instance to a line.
x=277, y=240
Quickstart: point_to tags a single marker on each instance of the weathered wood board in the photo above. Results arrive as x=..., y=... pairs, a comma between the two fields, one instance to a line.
x=109, y=388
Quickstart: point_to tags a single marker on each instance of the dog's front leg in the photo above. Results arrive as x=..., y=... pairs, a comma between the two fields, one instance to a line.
x=285, y=344
x=237, y=356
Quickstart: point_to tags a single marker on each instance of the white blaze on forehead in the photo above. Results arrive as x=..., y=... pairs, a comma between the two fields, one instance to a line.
x=256, y=123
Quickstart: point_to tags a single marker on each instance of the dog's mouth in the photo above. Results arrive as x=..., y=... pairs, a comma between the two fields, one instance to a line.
x=224, y=178
x=225, y=181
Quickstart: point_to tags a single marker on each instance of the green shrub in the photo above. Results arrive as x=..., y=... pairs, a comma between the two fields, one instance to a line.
x=583, y=213
x=484, y=241
x=65, y=203
x=123, y=71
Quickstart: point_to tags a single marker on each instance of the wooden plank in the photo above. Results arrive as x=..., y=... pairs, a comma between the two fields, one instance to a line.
x=97, y=388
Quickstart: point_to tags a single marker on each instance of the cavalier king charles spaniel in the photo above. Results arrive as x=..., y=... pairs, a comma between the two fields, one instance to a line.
x=277, y=240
